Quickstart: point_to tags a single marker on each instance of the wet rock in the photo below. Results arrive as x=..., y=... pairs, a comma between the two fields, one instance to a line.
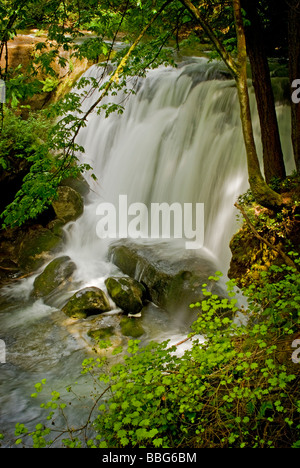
x=173, y=278
x=55, y=276
x=8, y=271
x=127, y=293
x=101, y=333
x=37, y=247
x=69, y=204
x=131, y=327
x=79, y=184
x=86, y=302
x=57, y=227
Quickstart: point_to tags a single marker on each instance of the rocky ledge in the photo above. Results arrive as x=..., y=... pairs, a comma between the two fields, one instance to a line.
x=172, y=278
x=24, y=250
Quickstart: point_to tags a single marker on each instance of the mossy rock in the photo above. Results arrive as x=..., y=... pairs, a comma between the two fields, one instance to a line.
x=69, y=204
x=37, y=247
x=101, y=333
x=127, y=293
x=55, y=275
x=57, y=227
x=131, y=327
x=171, y=282
x=79, y=184
x=86, y=302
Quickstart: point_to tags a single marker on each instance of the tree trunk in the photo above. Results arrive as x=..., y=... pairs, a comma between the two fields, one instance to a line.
x=294, y=70
x=272, y=151
x=263, y=194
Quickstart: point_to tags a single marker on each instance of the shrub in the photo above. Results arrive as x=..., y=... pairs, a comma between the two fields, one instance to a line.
x=237, y=389
x=41, y=144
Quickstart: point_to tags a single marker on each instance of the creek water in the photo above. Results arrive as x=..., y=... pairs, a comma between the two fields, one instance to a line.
x=178, y=140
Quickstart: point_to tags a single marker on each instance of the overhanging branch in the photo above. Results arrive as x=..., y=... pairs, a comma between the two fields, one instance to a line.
x=116, y=75
x=226, y=57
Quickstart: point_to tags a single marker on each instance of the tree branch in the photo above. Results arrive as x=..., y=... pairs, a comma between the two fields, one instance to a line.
x=229, y=61
x=115, y=77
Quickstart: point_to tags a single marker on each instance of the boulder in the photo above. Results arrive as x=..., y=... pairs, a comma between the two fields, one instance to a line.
x=37, y=247
x=79, y=184
x=173, y=279
x=131, y=327
x=86, y=302
x=54, y=277
x=69, y=204
x=127, y=293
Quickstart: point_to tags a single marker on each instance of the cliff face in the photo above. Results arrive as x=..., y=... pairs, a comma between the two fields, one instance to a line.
x=24, y=47
x=20, y=51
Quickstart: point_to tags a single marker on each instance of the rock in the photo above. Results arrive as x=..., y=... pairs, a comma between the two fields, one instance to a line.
x=86, y=302
x=69, y=204
x=131, y=327
x=127, y=293
x=173, y=279
x=57, y=227
x=20, y=51
x=37, y=246
x=8, y=270
x=101, y=333
x=79, y=184
x=55, y=276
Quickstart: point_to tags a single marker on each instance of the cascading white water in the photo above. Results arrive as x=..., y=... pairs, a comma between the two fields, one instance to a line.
x=179, y=140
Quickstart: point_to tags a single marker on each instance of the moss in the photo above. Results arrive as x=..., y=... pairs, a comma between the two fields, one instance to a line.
x=127, y=293
x=69, y=204
x=131, y=327
x=101, y=333
x=54, y=275
x=36, y=247
x=86, y=302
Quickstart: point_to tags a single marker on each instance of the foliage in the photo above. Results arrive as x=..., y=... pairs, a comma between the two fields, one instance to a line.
x=39, y=143
x=20, y=138
x=55, y=157
x=277, y=233
x=237, y=389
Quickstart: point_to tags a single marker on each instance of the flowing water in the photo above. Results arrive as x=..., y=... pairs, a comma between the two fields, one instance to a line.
x=178, y=140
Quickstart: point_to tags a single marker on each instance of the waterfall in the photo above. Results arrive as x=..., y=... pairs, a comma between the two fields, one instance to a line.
x=179, y=140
